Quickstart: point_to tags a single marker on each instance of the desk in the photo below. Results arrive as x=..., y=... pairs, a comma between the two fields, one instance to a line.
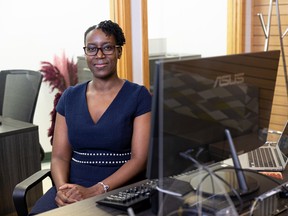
x=89, y=207
x=19, y=158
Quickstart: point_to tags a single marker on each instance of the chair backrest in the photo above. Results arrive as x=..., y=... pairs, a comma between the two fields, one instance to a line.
x=19, y=91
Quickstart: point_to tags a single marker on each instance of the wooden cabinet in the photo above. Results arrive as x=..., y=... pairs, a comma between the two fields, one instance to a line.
x=19, y=158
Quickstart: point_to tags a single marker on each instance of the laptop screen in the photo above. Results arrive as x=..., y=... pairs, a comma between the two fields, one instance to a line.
x=283, y=142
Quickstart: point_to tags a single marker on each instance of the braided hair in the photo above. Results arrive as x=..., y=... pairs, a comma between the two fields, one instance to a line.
x=109, y=28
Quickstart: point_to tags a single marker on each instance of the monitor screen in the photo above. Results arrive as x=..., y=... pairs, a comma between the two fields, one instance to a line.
x=154, y=59
x=194, y=101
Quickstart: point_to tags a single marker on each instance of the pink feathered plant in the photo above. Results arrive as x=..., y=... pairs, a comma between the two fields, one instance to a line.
x=59, y=75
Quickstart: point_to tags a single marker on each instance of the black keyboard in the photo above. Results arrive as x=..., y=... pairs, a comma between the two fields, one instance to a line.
x=136, y=197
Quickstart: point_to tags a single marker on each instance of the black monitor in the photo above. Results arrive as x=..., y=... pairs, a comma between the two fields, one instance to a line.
x=194, y=101
x=154, y=59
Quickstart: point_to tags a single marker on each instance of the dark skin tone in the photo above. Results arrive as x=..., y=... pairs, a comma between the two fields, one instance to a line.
x=100, y=93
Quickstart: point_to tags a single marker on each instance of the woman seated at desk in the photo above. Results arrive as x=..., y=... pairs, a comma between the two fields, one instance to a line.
x=102, y=126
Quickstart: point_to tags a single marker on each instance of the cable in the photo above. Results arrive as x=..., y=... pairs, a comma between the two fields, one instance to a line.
x=256, y=201
x=211, y=174
x=182, y=211
x=235, y=192
x=252, y=171
x=253, y=207
x=230, y=186
x=199, y=166
x=130, y=212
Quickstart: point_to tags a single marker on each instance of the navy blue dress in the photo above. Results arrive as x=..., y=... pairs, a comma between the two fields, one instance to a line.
x=101, y=148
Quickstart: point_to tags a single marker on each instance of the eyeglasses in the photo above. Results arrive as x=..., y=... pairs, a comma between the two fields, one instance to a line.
x=105, y=49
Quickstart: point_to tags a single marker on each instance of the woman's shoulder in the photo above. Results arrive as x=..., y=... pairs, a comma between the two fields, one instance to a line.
x=134, y=86
x=76, y=91
x=138, y=91
x=80, y=87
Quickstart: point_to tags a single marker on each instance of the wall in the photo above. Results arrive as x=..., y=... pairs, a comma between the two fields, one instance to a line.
x=136, y=25
x=35, y=31
x=280, y=102
x=190, y=27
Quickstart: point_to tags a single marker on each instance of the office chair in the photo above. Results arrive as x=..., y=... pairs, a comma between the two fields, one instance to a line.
x=21, y=189
x=19, y=91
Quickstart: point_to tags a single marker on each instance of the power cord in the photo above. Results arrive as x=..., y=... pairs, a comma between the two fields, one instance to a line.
x=210, y=174
x=199, y=166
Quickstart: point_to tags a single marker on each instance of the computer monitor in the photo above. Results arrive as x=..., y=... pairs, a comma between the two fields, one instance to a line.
x=194, y=101
x=154, y=59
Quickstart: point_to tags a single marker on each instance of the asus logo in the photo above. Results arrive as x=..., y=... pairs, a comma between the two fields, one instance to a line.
x=227, y=80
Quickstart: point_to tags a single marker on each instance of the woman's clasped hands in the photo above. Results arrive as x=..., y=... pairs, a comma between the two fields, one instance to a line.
x=71, y=193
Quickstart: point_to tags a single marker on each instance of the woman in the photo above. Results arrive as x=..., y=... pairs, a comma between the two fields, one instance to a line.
x=102, y=126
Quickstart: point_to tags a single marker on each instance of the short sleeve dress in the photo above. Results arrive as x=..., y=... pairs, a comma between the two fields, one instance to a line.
x=101, y=148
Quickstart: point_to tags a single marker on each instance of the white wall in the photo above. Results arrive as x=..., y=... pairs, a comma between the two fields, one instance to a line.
x=190, y=26
x=32, y=31
x=136, y=22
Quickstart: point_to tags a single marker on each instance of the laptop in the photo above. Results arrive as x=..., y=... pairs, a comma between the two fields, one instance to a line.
x=269, y=157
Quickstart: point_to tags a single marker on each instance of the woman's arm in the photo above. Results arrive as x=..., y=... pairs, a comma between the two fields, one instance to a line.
x=61, y=156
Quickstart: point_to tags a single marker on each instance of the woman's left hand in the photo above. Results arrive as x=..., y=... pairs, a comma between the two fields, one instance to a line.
x=74, y=191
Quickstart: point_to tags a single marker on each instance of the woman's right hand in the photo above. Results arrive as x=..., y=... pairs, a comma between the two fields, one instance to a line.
x=61, y=199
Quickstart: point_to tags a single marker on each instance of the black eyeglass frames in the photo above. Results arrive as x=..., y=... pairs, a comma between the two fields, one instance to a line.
x=106, y=49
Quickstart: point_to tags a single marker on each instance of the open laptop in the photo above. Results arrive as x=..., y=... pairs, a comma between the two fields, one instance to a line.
x=269, y=157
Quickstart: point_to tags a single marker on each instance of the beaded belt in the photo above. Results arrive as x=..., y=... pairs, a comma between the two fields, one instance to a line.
x=101, y=158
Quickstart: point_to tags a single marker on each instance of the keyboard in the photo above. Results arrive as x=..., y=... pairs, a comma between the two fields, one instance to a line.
x=136, y=197
x=261, y=157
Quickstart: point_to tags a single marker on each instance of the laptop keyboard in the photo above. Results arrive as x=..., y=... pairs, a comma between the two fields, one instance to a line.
x=261, y=157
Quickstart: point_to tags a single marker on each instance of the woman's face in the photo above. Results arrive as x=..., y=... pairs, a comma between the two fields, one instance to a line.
x=102, y=65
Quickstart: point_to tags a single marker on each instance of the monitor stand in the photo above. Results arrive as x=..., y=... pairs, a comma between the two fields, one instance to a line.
x=233, y=181
x=223, y=182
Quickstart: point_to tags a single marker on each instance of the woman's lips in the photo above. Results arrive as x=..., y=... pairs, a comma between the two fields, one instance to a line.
x=100, y=65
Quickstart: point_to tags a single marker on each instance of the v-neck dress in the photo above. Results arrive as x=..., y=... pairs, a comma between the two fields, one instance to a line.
x=101, y=148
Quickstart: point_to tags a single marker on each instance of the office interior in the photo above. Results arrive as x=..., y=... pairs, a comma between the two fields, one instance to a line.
x=156, y=29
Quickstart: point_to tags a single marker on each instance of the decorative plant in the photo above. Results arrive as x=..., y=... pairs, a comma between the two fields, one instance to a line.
x=60, y=75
